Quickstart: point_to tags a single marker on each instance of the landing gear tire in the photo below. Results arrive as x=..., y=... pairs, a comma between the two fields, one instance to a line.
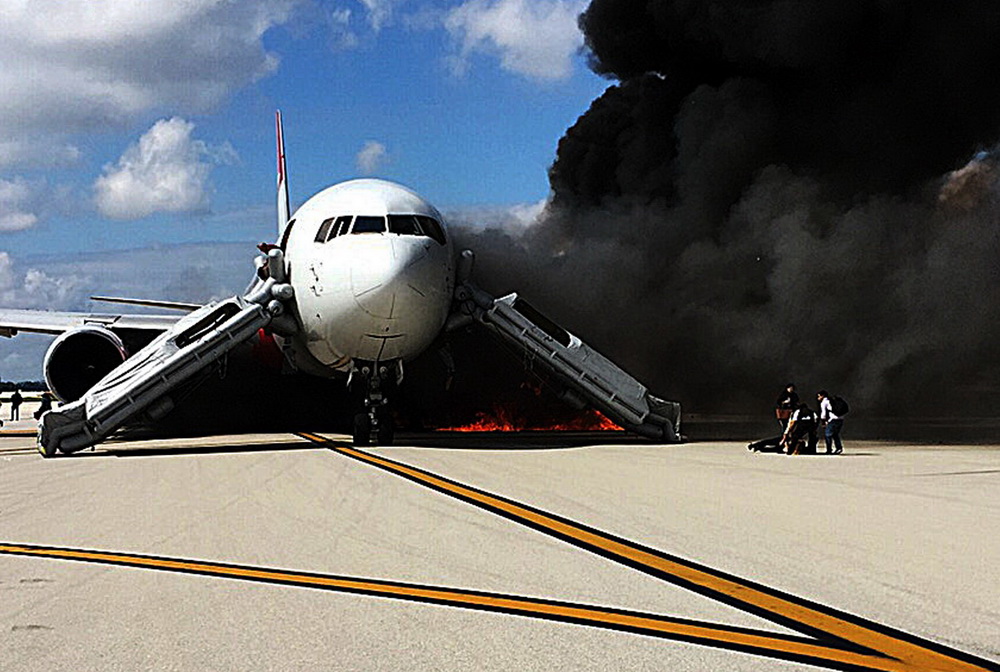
x=362, y=429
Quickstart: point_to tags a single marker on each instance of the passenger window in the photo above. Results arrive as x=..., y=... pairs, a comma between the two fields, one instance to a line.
x=340, y=227
x=324, y=229
x=431, y=228
x=404, y=225
x=364, y=224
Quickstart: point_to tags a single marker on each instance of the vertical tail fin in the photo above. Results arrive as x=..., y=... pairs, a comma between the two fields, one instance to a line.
x=283, y=211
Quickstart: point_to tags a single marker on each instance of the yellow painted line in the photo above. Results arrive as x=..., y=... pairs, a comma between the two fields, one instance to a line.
x=790, y=647
x=876, y=647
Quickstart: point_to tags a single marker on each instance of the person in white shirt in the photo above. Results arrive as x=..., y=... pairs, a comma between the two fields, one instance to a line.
x=834, y=423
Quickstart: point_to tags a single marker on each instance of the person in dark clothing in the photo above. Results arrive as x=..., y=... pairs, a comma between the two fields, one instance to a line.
x=800, y=436
x=46, y=405
x=785, y=405
x=15, y=405
x=772, y=444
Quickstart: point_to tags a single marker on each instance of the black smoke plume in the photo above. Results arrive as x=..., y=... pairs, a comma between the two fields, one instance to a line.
x=778, y=190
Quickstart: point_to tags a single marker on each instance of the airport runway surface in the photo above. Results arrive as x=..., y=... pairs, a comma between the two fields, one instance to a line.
x=455, y=552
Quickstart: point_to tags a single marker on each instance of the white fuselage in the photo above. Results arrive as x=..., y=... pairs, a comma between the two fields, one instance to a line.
x=373, y=278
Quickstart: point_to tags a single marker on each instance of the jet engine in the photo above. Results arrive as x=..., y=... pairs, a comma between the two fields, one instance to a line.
x=79, y=358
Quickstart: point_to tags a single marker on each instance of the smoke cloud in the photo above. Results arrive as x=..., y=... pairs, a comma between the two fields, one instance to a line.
x=779, y=191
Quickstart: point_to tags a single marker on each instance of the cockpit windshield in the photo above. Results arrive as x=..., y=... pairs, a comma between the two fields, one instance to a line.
x=368, y=224
x=416, y=225
x=340, y=228
x=404, y=225
x=432, y=228
x=401, y=225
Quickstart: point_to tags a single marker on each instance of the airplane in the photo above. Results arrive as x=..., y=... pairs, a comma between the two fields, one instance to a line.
x=362, y=278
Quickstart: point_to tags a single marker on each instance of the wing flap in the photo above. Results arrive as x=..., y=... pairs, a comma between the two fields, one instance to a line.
x=13, y=321
x=150, y=303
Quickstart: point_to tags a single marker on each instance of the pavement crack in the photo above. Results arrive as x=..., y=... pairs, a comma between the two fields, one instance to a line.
x=30, y=627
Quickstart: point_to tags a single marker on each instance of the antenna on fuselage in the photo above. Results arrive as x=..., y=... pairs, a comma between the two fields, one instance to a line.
x=283, y=210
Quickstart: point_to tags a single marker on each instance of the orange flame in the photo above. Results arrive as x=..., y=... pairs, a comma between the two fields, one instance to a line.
x=503, y=419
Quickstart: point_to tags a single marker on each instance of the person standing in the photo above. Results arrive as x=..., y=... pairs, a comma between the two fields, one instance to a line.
x=15, y=404
x=833, y=422
x=785, y=405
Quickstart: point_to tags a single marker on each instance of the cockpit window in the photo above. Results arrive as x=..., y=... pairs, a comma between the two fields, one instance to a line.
x=324, y=229
x=416, y=225
x=431, y=227
x=340, y=226
x=404, y=225
x=368, y=224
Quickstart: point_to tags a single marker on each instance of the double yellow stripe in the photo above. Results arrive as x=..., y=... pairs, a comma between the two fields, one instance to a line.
x=845, y=641
x=838, y=640
x=649, y=624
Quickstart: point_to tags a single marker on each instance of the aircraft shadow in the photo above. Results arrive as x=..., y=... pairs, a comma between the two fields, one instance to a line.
x=515, y=440
x=122, y=450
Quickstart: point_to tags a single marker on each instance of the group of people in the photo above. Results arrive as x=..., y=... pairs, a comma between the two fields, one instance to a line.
x=800, y=424
x=17, y=399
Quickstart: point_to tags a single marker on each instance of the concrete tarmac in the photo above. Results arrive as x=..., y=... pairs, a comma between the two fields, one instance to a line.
x=899, y=541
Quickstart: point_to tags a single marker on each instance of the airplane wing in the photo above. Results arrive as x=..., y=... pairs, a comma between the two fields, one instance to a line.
x=150, y=303
x=585, y=376
x=54, y=322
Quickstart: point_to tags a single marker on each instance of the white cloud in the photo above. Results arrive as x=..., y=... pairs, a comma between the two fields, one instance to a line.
x=534, y=38
x=68, y=66
x=379, y=12
x=341, y=35
x=37, y=289
x=163, y=172
x=349, y=28
x=371, y=157
x=16, y=197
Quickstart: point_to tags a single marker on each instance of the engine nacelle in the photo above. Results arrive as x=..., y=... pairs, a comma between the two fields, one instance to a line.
x=79, y=358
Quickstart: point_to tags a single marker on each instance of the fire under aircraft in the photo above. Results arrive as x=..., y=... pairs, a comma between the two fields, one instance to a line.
x=362, y=278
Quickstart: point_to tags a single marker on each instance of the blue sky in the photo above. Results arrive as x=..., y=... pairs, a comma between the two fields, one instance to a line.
x=126, y=127
x=463, y=128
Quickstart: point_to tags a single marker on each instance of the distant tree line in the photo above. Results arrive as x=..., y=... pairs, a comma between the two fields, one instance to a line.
x=24, y=386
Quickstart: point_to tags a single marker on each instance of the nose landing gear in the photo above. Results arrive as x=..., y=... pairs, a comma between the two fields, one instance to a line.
x=373, y=424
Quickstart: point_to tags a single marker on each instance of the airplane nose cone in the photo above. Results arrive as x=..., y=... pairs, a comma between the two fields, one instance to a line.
x=379, y=280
